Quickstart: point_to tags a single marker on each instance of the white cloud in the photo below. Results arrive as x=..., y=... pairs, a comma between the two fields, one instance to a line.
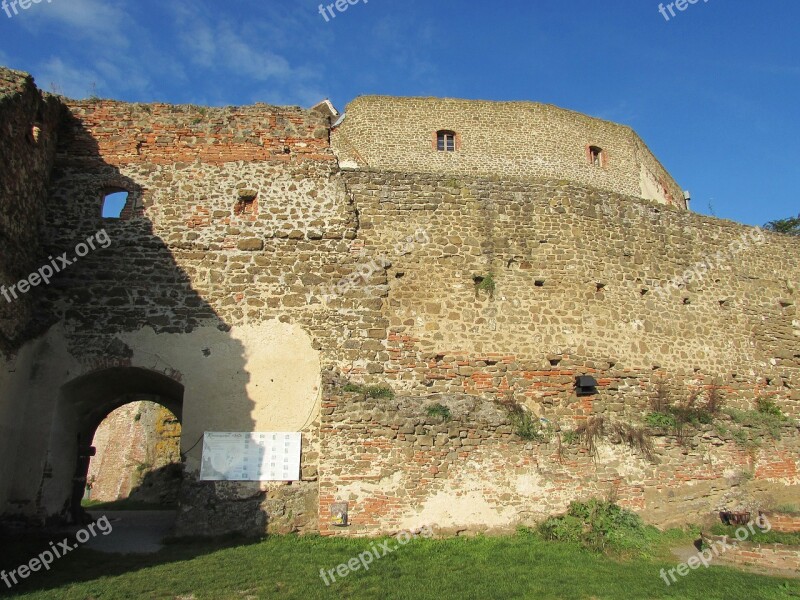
x=98, y=20
x=57, y=76
x=245, y=49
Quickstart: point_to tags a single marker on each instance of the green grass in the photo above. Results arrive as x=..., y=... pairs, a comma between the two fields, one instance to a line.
x=439, y=411
x=521, y=566
x=759, y=537
x=125, y=504
x=788, y=509
x=370, y=391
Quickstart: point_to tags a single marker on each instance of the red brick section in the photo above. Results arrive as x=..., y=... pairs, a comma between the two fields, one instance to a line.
x=780, y=465
x=783, y=522
x=165, y=134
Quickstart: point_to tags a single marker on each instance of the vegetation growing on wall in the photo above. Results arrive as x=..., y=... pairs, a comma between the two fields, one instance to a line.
x=370, y=391
x=439, y=411
x=525, y=425
x=596, y=428
x=485, y=284
x=699, y=407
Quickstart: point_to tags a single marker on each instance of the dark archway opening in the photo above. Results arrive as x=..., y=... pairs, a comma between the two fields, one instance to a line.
x=92, y=398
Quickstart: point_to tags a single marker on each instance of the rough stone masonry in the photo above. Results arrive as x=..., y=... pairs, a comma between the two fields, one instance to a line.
x=547, y=235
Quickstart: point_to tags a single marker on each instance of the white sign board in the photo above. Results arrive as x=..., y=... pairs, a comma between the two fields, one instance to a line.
x=250, y=456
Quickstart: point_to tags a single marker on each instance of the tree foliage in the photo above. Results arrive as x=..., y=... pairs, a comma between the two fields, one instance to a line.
x=790, y=226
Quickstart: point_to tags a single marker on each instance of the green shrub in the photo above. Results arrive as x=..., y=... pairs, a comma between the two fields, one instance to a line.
x=601, y=525
x=760, y=424
x=486, y=284
x=380, y=391
x=525, y=426
x=661, y=420
x=569, y=437
x=438, y=410
x=768, y=407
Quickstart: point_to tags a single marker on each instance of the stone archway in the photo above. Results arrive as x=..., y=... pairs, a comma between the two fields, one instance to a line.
x=86, y=402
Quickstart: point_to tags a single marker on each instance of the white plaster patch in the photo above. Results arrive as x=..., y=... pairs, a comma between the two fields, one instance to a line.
x=461, y=509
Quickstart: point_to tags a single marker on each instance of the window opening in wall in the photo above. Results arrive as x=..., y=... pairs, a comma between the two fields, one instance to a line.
x=246, y=204
x=113, y=204
x=446, y=141
x=596, y=156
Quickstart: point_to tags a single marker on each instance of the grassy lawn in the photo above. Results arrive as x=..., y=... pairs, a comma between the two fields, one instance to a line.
x=520, y=566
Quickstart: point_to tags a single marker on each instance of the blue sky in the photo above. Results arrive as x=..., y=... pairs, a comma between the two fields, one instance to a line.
x=714, y=91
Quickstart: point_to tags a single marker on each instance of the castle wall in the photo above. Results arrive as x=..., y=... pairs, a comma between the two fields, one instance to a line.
x=586, y=282
x=509, y=140
x=256, y=270
x=24, y=170
x=195, y=284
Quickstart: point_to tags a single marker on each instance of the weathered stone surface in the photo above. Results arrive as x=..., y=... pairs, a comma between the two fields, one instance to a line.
x=361, y=264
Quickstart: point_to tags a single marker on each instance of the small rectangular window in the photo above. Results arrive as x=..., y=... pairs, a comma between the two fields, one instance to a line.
x=446, y=141
x=595, y=156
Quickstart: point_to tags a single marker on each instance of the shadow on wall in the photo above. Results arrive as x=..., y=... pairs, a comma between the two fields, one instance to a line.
x=121, y=323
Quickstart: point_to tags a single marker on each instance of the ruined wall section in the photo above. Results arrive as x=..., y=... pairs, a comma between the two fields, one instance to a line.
x=504, y=140
x=577, y=272
x=26, y=158
x=236, y=223
x=25, y=165
x=578, y=278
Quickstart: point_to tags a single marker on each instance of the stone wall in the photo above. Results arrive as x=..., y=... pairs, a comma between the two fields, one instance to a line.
x=255, y=273
x=502, y=140
x=585, y=282
x=25, y=164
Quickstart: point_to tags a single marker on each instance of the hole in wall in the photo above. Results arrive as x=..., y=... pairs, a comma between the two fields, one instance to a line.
x=113, y=204
x=399, y=275
x=687, y=300
x=600, y=286
x=246, y=203
x=644, y=291
x=539, y=283
x=554, y=362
